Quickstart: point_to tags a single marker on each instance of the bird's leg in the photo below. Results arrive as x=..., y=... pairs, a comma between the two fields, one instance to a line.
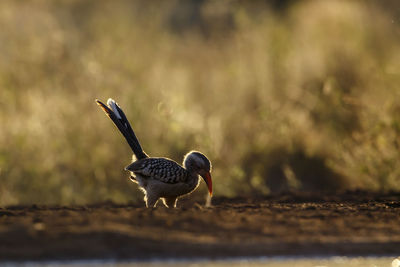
x=169, y=202
x=151, y=200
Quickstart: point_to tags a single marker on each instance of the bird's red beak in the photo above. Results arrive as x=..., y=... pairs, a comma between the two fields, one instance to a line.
x=207, y=179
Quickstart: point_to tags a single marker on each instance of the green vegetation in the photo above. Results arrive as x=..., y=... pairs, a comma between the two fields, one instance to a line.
x=291, y=95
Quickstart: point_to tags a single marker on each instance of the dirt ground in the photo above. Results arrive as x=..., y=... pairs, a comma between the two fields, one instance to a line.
x=296, y=224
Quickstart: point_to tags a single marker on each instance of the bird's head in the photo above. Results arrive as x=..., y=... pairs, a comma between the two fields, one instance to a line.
x=196, y=162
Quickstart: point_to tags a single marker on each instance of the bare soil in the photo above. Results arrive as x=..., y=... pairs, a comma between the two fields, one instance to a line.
x=297, y=224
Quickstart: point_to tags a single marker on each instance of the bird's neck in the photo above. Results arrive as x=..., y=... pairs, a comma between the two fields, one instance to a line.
x=193, y=180
x=189, y=169
x=193, y=175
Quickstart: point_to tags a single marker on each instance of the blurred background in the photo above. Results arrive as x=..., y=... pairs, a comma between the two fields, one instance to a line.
x=280, y=95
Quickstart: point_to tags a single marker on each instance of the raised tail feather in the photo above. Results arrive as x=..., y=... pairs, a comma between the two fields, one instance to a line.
x=118, y=117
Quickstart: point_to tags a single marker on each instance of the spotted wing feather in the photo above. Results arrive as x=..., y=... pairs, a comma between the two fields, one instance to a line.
x=162, y=169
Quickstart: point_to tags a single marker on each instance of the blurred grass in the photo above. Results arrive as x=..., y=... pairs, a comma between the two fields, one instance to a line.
x=281, y=95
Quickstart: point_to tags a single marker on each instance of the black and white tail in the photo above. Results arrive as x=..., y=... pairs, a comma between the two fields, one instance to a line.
x=116, y=114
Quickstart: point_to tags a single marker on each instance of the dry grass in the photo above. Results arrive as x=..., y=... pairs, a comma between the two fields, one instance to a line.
x=302, y=96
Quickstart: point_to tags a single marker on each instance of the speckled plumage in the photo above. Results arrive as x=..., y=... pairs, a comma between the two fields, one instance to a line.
x=162, y=169
x=159, y=178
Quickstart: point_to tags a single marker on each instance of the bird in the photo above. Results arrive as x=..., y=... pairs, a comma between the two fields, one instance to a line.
x=159, y=177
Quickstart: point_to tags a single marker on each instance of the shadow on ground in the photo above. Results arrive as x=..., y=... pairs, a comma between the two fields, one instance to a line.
x=351, y=223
